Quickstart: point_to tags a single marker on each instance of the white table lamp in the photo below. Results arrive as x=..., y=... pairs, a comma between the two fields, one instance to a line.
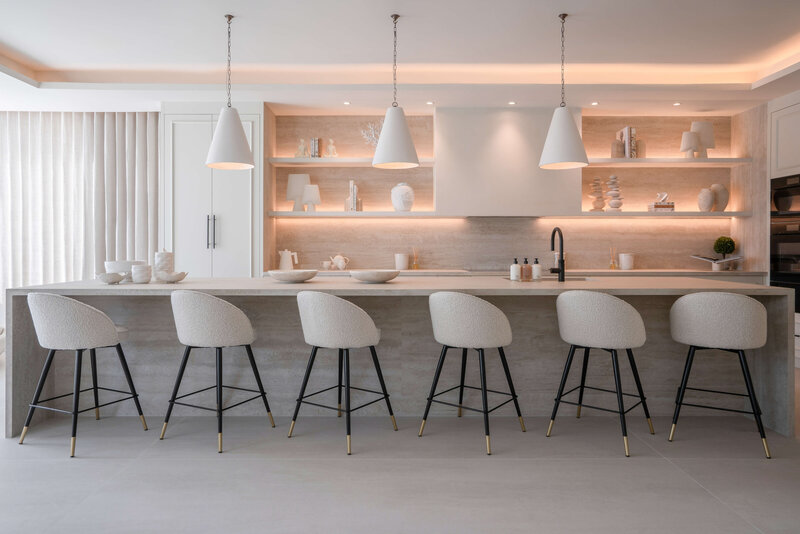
x=294, y=189
x=311, y=197
x=705, y=131
x=690, y=143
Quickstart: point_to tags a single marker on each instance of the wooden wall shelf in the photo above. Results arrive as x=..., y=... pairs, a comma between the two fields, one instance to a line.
x=353, y=214
x=333, y=162
x=669, y=162
x=657, y=214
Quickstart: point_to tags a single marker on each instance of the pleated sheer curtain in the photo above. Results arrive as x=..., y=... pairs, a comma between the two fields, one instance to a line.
x=76, y=189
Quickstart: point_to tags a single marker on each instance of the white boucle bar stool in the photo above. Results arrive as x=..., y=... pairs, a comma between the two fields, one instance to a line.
x=725, y=321
x=331, y=322
x=468, y=322
x=587, y=320
x=205, y=321
x=63, y=323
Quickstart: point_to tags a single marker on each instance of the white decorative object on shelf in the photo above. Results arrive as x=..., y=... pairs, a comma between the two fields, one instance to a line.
x=375, y=276
x=169, y=277
x=352, y=202
x=164, y=262
x=294, y=189
x=721, y=197
x=330, y=150
x=661, y=204
x=286, y=263
x=311, y=197
x=613, y=194
x=294, y=276
x=689, y=144
x=626, y=261
x=596, y=193
x=122, y=267
x=705, y=133
x=402, y=197
x=302, y=149
x=141, y=274
x=110, y=278
x=340, y=262
x=705, y=200
x=372, y=132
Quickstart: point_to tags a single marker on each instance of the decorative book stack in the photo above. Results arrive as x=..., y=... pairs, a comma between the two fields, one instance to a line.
x=353, y=203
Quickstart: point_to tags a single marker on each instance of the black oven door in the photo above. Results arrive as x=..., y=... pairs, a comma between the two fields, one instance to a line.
x=784, y=257
x=785, y=196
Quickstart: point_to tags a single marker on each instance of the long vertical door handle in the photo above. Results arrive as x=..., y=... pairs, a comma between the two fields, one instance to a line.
x=214, y=232
x=208, y=231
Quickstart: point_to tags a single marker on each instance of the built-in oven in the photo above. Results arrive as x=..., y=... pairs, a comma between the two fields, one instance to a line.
x=784, y=256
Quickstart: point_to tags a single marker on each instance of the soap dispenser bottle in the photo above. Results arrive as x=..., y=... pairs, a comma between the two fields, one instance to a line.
x=527, y=271
x=537, y=269
x=516, y=271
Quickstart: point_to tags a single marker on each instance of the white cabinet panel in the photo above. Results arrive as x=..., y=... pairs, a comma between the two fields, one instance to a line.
x=785, y=141
x=487, y=164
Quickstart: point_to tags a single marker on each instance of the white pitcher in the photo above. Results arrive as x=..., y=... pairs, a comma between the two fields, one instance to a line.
x=288, y=259
x=340, y=262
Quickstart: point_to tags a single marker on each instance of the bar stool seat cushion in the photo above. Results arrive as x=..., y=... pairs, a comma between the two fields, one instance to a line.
x=203, y=320
x=62, y=323
x=719, y=320
x=466, y=321
x=334, y=323
x=594, y=319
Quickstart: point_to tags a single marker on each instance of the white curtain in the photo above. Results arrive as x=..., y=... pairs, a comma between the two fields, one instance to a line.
x=76, y=189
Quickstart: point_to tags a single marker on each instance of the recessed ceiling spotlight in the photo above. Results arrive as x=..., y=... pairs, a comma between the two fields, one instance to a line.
x=346, y=103
x=512, y=103
x=595, y=103
x=676, y=104
x=429, y=103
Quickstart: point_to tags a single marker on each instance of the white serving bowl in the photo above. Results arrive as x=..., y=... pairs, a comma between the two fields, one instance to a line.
x=122, y=266
x=169, y=278
x=294, y=275
x=110, y=278
x=374, y=276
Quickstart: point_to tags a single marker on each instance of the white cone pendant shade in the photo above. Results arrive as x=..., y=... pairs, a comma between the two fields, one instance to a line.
x=229, y=148
x=563, y=148
x=395, y=148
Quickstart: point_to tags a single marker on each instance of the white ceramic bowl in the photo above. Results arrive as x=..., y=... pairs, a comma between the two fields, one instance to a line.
x=110, y=278
x=374, y=276
x=294, y=275
x=122, y=266
x=169, y=278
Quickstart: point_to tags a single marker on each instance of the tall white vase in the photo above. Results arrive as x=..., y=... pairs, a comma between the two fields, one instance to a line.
x=402, y=197
x=705, y=200
x=721, y=197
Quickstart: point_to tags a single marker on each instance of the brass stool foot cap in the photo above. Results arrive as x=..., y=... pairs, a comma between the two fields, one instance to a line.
x=394, y=423
x=271, y=420
x=650, y=424
x=72, y=447
x=459, y=411
x=522, y=424
x=219, y=442
x=766, y=447
x=339, y=411
x=422, y=428
x=578, y=412
x=348, y=444
x=144, y=423
x=550, y=427
x=97, y=414
x=291, y=429
x=671, y=432
x=488, y=445
x=163, y=430
x=627, y=449
x=22, y=436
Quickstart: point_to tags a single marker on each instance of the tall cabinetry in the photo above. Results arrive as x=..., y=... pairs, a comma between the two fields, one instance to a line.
x=212, y=218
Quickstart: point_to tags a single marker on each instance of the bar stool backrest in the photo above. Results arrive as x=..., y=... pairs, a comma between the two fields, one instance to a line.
x=62, y=323
x=466, y=321
x=203, y=320
x=334, y=323
x=594, y=319
x=719, y=320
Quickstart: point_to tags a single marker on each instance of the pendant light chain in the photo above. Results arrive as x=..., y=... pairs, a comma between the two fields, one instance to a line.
x=563, y=18
x=394, y=64
x=228, y=79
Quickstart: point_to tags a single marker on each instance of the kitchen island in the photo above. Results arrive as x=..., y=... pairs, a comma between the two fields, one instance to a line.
x=407, y=349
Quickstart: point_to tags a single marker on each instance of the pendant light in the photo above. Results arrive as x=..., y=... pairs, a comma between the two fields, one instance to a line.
x=563, y=147
x=395, y=149
x=229, y=148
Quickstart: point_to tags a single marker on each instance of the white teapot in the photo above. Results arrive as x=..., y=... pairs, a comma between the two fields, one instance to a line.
x=286, y=263
x=340, y=262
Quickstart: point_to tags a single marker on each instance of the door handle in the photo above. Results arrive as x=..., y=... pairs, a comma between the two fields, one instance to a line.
x=208, y=231
x=214, y=232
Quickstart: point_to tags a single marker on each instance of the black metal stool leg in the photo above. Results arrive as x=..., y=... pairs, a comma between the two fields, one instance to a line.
x=383, y=385
x=175, y=389
x=38, y=393
x=347, y=395
x=252, y=359
x=748, y=380
x=341, y=363
x=124, y=363
x=461, y=384
x=511, y=386
x=583, y=380
x=76, y=395
x=219, y=399
x=303, y=388
x=640, y=389
x=93, y=360
x=433, y=388
x=485, y=400
x=620, y=402
x=682, y=391
x=564, y=376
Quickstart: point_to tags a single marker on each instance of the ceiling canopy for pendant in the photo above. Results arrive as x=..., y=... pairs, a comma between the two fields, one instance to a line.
x=563, y=147
x=229, y=147
x=395, y=149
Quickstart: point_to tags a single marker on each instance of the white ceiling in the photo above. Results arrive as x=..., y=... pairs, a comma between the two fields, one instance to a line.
x=633, y=56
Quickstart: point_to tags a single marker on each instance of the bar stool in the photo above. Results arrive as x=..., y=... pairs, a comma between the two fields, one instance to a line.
x=587, y=320
x=468, y=322
x=63, y=323
x=331, y=322
x=205, y=321
x=724, y=321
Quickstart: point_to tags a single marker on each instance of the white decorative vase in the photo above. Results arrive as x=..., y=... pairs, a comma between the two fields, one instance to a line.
x=705, y=200
x=402, y=197
x=721, y=197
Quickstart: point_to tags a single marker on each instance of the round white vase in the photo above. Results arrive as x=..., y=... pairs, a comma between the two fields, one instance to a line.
x=705, y=200
x=402, y=197
x=721, y=197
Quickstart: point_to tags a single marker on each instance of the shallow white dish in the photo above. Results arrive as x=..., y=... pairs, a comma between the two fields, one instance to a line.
x=374, y=276
x=294, y=275
x=110, y=278
x=169, y=278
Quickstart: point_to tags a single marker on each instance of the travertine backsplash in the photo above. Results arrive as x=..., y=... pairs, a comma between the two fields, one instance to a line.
x=489, y=243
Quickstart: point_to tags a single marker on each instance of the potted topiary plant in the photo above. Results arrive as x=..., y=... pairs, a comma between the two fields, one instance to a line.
x=723, y=245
